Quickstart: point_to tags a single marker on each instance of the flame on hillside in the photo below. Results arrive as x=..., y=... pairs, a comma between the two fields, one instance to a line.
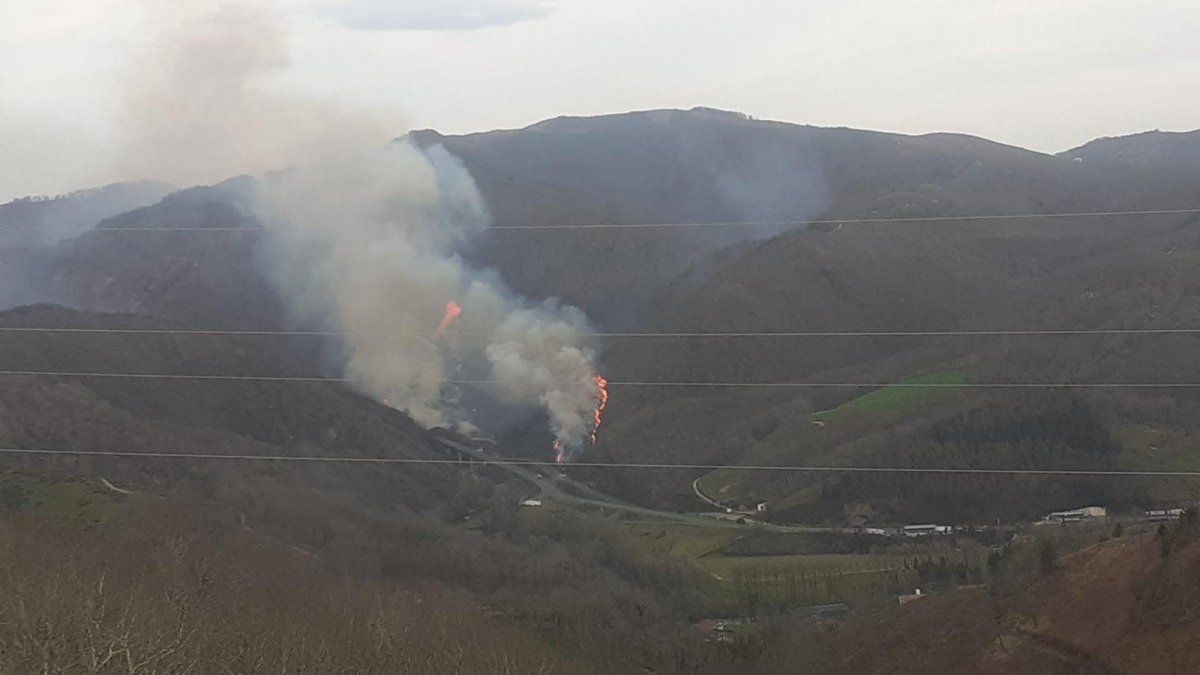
x=601, y=404
x=561, y=453
x=453, y=310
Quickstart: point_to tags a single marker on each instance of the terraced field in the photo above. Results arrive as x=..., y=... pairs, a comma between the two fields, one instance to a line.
x=742, y=583
x=792, y=580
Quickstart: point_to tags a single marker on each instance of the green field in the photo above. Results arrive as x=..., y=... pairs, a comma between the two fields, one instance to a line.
x=745, y=583
x=749, y=583
x=689, y=541
x=890, y=400
x=724, y=486
x=825, y=563
x=59, y=500
x=730, y=486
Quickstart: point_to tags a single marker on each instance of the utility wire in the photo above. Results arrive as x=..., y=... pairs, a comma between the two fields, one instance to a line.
x=602, y=334
x=849, y=221
x=635, y=383
x=763, y=223
x=613, y=465
x=254, y=228
x=169, y=376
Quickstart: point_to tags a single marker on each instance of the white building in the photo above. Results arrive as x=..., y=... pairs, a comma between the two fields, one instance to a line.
x=1156, y=515
x=926, y=530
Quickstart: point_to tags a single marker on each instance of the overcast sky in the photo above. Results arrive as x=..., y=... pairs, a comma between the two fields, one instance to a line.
x=1046, y=75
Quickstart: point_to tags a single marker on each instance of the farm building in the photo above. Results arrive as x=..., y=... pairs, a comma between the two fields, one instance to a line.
x=926, y=530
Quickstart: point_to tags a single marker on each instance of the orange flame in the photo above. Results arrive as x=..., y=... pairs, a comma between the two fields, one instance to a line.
x=452, y=311
x=560, y=453
x=601, y=404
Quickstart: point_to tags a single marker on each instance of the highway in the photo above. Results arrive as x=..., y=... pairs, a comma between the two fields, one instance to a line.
x=560, y=488
x=557, y=487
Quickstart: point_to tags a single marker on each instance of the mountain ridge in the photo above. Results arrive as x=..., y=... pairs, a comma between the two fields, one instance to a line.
x=706, y=166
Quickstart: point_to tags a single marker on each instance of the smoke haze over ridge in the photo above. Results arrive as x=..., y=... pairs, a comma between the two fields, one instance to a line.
x=361, y=232
x=366, y=245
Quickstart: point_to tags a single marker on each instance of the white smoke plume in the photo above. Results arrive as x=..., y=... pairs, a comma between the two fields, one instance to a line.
x=361, y=232
x=537, y=355
x=198, y=106
x=365, y=246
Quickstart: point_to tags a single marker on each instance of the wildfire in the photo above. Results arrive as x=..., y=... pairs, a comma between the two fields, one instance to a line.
x=453, y=309
x=601, y=404
x=560, y=451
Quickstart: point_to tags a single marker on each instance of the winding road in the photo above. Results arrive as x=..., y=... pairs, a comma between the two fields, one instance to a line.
x=560, y=488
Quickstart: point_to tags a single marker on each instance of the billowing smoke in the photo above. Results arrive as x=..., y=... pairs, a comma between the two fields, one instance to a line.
x=366, y=246
x=536, y=355
x=362, y=232
x=198, y=105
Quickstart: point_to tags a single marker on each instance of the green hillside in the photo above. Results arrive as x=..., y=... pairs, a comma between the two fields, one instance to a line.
x=893, y=401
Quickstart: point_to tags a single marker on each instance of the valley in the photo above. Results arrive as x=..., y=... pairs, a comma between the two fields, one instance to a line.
x=891, y=336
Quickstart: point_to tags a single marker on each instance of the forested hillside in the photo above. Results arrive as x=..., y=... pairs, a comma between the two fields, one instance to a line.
x=594, y=573
x=706, y=166
x=1118, y=606
x=432, y=533
x=1113, y=272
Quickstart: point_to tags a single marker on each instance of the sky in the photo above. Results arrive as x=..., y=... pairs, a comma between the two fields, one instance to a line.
x=1043, y=75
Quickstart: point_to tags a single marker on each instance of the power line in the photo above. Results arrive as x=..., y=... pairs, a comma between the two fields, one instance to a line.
x=908, y=385
x=170, y=376
x=852, y=221
x=635, y=383
x=176, y=229
x=908, y=333
x=611, y=465
x=184, y=331
x=763, y=223
x=641, y=334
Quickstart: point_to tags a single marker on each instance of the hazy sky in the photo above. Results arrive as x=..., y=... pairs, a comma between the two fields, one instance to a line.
x=1044, y=74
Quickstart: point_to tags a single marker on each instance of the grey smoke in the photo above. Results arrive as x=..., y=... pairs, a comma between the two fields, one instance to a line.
x=362, y=233
x=31, y=229
x=42, y=222
x=198, y=106
x=537, y=355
